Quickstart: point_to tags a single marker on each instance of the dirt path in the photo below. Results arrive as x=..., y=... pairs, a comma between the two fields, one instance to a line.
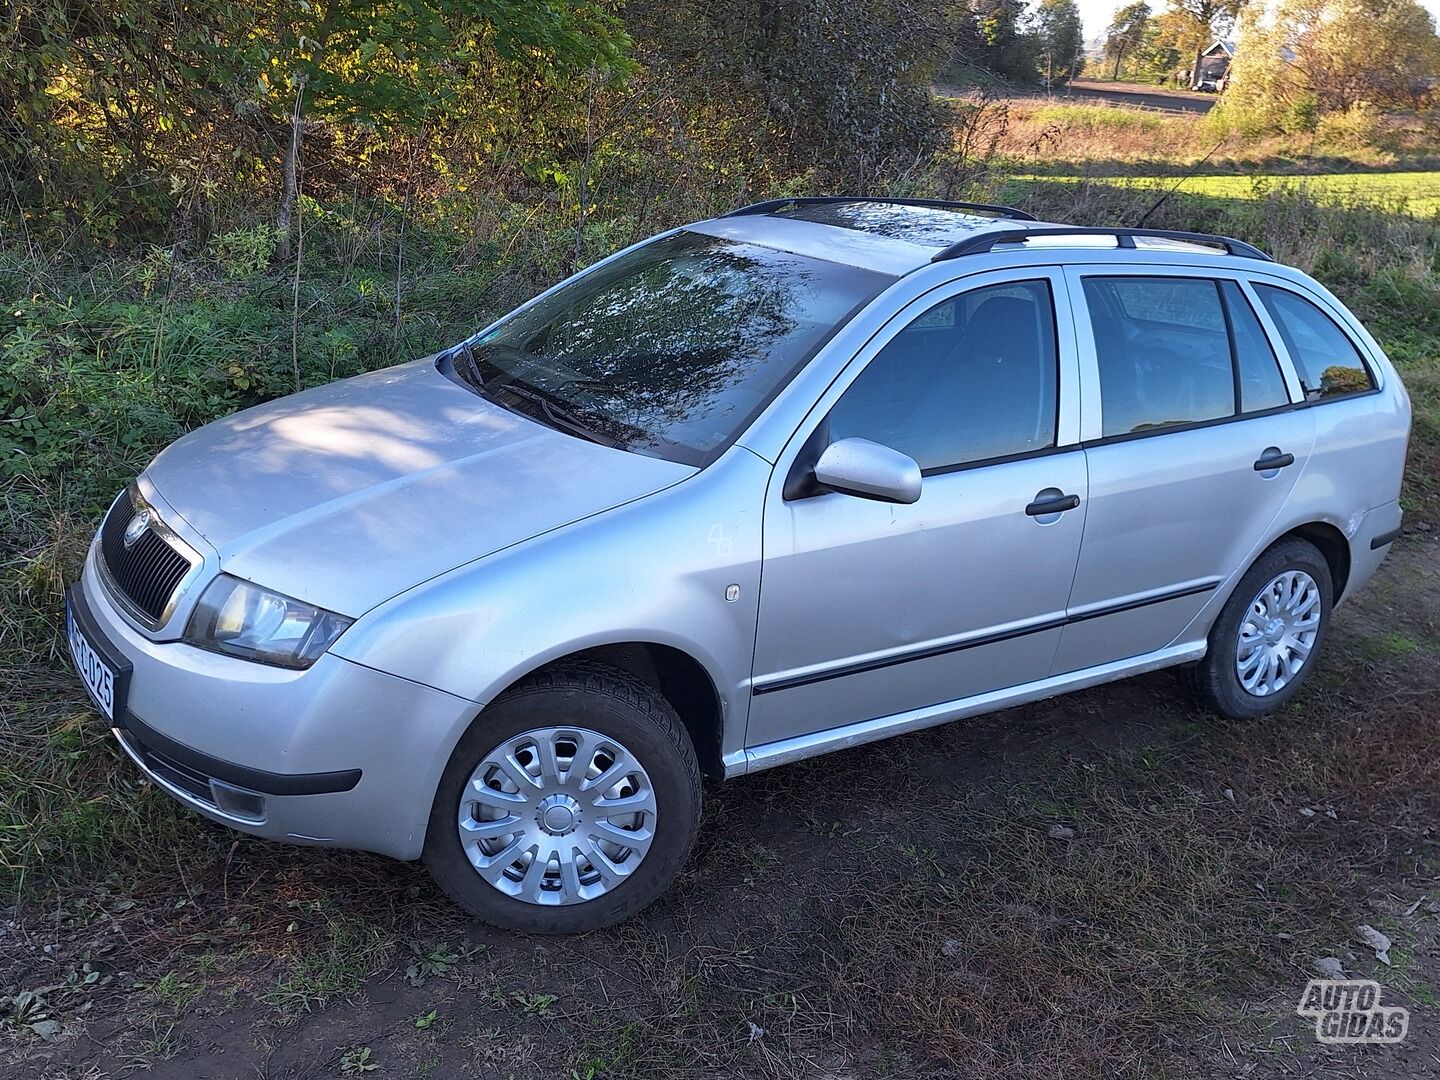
x=1104, y=883
x=1142, y=94
x=1136, y=95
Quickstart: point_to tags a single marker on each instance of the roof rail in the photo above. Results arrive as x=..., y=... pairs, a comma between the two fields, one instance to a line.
x=771, y=205
x=1125, y=238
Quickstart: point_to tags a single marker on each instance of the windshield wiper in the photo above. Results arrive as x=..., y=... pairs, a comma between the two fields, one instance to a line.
x=471, y=373
x=558, y=415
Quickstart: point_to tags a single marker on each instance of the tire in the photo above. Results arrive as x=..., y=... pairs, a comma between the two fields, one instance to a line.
x=1215, y=679
x=574, y=710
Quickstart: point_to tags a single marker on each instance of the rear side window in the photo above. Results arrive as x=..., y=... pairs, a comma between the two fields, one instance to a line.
x=973, y=378
x=1326, y=360
x=1261, y=384
x=1163, y=350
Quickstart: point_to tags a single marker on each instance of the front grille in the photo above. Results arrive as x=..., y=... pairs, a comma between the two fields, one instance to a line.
x=146, y=573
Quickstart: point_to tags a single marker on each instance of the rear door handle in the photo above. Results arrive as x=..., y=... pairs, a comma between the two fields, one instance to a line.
x=1053, y=504
x=1273, y=459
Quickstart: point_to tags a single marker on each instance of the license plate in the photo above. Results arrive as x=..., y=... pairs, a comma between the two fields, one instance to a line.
x=102, y=676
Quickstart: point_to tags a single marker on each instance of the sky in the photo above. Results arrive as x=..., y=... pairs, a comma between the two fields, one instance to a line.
x=1096, y=13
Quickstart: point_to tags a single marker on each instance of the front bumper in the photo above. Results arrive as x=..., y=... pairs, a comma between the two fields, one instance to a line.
x=337, y=754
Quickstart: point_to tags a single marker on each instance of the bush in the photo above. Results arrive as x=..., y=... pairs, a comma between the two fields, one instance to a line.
x=1301, y=116
x=1357, y=128
x=243, y=252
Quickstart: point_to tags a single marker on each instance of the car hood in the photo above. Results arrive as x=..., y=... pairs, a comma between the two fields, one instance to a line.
x=347, y=494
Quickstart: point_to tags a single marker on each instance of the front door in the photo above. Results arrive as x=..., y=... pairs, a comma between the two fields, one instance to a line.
x=1192, y=452
x=871, y=609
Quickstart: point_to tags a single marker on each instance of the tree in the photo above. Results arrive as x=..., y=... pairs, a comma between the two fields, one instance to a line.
x=1001, y=42
x=1204, y=20
x=841, y=86
x=1127, y=32
x=1179, y=41
x=374, y=62
x=1056, y=25
x=125, y=102
x=1309, y=57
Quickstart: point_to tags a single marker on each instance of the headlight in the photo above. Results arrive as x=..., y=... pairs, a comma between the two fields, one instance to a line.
x=244, y=620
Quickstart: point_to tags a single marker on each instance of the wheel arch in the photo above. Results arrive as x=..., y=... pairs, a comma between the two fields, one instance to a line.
x=681, y=679
x=1332, y=544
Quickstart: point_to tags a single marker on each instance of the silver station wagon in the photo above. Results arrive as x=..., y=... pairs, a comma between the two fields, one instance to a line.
x=809, y=475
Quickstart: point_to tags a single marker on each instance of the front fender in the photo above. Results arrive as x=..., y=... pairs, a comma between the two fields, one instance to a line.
x=656, y=570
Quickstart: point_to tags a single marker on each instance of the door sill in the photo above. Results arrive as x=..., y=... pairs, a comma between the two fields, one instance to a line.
x=785, y=751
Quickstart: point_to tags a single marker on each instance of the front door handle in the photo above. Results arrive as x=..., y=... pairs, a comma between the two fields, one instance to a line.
x=1052, y=504
x=1273, y=459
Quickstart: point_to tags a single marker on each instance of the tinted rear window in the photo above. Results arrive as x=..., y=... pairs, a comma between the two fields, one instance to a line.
x=1326, y=360
x=1163, y=350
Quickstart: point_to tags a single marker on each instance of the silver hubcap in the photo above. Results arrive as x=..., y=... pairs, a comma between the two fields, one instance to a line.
x=1278, y=633
x=557, y=815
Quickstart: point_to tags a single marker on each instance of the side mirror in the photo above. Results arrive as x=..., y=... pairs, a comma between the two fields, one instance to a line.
x=867, y=469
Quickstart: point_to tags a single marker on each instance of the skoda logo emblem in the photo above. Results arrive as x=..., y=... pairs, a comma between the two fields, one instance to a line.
x=136, y=529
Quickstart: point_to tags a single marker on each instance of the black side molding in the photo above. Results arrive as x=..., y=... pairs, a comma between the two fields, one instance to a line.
x=242, y=776
x=930, y=651
x=1385, y=538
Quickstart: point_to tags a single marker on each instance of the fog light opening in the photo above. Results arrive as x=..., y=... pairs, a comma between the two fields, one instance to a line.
x=237, y=802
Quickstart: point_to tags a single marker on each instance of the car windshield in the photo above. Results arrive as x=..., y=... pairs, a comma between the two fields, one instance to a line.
x=670, y=349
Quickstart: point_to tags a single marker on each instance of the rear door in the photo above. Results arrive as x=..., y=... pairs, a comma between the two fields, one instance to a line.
x=871, y=609
x=1192, y=441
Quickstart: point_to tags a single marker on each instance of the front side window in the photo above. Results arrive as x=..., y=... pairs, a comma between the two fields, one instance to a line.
x=973, y=378
x=671, y=349
x=1326, y=360
x=1163, y=351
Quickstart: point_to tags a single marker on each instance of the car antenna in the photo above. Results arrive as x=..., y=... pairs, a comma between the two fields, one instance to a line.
x=1165, y=197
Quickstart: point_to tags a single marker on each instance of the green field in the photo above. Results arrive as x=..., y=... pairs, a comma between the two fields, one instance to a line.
x=1417, y=193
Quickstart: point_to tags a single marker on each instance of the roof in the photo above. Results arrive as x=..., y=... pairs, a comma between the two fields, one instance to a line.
x=898, y=236
x=1220, y=44
x=891, y=237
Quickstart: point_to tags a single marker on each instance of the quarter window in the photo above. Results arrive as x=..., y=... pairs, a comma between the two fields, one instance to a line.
x=974, y=378
x=1326, y=360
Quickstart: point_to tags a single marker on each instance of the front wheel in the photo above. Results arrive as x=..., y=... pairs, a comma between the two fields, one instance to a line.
x=569, y=805
x=1264, y=644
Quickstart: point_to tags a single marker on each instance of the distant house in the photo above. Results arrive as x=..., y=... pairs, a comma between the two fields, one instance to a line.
x=1213, y=69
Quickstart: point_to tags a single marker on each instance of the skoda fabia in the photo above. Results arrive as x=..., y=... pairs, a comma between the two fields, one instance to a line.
x=809, y=475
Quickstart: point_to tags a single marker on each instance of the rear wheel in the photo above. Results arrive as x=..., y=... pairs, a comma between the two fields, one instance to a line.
x=570, y=804
x=1265, y=642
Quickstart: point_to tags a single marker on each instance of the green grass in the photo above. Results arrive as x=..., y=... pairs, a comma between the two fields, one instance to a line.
x=1416, y=193
x=333, y=964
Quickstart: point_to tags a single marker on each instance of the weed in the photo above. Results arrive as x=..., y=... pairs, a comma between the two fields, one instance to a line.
x=175, y=990
x=532, y=1004
x=155, y=1044
x=430, y=961
x=357, y=1060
